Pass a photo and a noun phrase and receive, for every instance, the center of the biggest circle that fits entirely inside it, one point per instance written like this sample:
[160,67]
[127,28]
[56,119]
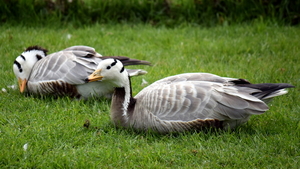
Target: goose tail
[268,90]
[128,61]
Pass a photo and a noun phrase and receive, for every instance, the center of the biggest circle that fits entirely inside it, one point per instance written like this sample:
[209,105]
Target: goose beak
[22,84]
[95,76]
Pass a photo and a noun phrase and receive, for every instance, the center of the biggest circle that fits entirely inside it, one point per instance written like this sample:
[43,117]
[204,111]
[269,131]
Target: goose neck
[121,101]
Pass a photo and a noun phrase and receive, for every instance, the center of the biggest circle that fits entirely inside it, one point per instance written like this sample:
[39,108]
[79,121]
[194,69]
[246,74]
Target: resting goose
[63,73]
[190,101]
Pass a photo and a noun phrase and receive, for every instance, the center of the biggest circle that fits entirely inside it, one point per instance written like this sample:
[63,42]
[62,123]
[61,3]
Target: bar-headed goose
[63,73]
[190,101]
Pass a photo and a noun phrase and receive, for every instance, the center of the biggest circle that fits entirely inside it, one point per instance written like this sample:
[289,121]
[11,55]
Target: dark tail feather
[128,61]
[268,90]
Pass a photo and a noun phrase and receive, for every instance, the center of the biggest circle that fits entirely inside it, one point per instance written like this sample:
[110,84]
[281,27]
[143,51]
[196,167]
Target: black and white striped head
[110,70]
[24,63]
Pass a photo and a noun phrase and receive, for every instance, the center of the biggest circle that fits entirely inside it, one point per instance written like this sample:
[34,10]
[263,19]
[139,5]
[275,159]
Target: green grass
[53,128]
[155,12]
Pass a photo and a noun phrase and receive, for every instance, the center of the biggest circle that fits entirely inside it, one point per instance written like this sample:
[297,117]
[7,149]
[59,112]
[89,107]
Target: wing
[188,99]
[194,77]
[83,51]
[185,77]
[70,66]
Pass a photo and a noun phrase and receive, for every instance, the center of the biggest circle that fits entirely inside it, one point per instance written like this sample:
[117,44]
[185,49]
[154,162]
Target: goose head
[110,70]
[24,63]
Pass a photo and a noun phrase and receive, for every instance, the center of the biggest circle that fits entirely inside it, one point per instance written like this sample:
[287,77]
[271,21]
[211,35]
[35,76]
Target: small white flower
[14,87]
[144,82]
[69,36]
[4,90]
[25,146]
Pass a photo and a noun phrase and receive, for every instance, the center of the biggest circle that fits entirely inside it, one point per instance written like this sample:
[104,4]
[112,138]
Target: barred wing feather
[70,68]
[199,96]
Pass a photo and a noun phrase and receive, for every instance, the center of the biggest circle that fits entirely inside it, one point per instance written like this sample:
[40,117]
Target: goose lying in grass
[63,73]
[190,101]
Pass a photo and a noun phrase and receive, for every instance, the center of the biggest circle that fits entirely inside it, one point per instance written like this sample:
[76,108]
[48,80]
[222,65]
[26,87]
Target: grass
[156,12]
[53,129]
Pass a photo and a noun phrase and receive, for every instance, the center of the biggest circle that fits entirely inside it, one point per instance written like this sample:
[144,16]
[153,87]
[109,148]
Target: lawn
[48,133]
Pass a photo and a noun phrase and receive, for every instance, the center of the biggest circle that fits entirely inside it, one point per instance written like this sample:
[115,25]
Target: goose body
[63,73]
[189,101]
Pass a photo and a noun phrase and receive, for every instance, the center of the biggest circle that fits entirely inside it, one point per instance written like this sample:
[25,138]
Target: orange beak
[95,76]
[22,84]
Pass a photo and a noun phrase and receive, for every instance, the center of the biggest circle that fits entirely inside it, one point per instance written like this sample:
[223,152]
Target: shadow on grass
[240,132]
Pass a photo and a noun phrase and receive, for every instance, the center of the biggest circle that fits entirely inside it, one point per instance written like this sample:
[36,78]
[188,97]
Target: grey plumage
[64,72]
[190,101]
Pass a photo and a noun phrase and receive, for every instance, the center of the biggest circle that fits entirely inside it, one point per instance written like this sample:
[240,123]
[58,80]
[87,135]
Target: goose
[63,73]
[183,102]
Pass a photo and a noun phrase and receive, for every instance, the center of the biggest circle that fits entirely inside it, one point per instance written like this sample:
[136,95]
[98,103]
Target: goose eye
[108,67]
[39,57]
[19,66]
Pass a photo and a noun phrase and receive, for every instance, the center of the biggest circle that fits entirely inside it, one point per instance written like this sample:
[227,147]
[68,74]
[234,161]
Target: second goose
[63,73]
